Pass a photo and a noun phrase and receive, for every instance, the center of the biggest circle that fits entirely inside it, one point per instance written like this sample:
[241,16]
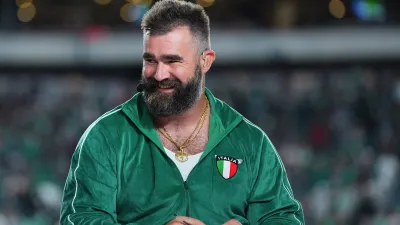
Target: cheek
[182,73]
[149,70]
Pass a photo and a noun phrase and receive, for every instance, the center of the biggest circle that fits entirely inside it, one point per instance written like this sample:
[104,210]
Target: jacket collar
[223,119]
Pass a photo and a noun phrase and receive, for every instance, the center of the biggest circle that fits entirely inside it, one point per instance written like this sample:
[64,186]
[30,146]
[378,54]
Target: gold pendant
[181,156]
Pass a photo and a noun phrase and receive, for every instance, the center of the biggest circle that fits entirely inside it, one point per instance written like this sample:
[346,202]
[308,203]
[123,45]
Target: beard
[182,98]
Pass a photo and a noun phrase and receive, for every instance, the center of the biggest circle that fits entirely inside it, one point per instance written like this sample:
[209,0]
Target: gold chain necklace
[181,155]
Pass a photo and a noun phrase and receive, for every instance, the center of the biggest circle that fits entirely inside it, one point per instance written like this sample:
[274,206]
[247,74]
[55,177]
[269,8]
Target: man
[174,154]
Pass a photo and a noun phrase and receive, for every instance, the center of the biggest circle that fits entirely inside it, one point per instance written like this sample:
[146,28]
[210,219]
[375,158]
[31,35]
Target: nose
[161,72]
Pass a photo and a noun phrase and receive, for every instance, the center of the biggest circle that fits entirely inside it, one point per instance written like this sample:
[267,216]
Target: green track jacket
[120,174]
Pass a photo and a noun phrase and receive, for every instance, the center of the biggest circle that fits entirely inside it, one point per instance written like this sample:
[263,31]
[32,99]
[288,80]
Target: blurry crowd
[232,14]
[336,130]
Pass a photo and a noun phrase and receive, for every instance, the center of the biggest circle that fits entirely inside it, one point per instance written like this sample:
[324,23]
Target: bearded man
[175,154]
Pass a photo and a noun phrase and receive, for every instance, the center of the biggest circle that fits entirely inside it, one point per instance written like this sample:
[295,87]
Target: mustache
[151,83]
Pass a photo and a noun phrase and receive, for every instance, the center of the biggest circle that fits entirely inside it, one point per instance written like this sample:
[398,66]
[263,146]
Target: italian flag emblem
[227,166]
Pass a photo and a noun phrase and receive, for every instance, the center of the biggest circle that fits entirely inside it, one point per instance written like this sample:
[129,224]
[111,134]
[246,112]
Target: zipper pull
[185,185]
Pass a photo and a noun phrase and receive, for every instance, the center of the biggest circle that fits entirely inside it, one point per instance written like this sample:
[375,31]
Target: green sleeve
[91,186]
[272,201]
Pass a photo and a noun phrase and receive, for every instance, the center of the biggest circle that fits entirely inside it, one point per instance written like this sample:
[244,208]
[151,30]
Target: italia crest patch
[227,166]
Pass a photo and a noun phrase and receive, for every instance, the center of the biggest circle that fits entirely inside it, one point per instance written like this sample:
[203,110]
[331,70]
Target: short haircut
[166,15]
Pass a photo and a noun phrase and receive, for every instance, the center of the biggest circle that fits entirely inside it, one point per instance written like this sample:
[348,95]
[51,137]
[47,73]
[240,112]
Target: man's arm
[272,201]
[91,186]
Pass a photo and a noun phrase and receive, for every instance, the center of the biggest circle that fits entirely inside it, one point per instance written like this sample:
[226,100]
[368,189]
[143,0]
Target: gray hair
[166,15]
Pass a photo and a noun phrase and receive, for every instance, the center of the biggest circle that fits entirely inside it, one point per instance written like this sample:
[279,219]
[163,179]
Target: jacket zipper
[185,185]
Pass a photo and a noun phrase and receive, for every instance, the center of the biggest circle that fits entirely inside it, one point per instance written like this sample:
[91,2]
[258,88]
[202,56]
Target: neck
[188,118]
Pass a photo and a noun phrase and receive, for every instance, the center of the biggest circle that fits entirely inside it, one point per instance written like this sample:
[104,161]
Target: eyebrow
[168,57]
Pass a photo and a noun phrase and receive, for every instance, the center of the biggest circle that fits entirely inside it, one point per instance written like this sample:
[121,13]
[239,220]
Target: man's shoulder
[110,121]
[104,122]
[250,132]
[245,126]
[251,127]
[116,117]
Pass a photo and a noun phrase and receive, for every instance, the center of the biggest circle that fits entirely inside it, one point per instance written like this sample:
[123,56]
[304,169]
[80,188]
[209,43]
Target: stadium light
[337,8]
[140,2]
[134,1]
[23,3]
[125,12]
[26,12]
[205,3]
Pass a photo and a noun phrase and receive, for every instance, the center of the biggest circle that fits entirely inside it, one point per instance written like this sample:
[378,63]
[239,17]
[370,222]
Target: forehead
[178,41]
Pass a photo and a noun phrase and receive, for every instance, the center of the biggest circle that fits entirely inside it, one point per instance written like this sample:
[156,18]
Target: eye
[172,61]
[149,60]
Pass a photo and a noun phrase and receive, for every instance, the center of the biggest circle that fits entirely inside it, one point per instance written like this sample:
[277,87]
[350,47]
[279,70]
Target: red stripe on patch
[232,169]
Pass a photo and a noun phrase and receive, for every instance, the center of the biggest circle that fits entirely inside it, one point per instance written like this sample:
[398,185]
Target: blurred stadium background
[321,77]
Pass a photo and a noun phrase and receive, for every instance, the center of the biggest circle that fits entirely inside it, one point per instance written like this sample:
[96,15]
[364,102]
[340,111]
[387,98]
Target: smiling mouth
[166,89]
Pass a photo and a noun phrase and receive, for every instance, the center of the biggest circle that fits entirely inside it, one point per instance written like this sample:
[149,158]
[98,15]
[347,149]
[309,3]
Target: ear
[207,59]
